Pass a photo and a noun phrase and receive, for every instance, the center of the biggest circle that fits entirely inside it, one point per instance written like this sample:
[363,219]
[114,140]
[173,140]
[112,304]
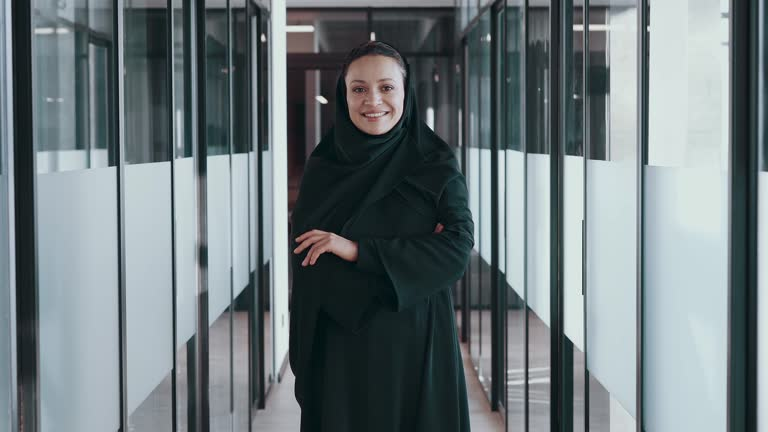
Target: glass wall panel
[474,187]
[5,245]
[514,220]
[148,220]
[483,58]
[686,217]
[73,45]
[73,92]
[572,100]
[219,214]
[185,207]
[241,229]
[538,216]
[612,215]
[254,182]
[762,228]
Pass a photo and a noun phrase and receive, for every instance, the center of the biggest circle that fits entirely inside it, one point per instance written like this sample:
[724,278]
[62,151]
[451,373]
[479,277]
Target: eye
[388,88]
[358,90]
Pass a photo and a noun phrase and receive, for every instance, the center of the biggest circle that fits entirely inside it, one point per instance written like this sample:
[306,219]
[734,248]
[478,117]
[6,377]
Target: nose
[374,98]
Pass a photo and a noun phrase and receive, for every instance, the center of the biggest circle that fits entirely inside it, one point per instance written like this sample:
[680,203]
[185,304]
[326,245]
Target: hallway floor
[282,412]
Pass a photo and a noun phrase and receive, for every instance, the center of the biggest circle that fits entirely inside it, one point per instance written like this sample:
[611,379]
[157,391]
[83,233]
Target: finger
[307,234]
[309,241]
[318,250]
[308,259]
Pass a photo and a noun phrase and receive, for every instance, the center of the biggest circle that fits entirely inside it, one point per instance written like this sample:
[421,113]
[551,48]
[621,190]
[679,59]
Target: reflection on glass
[612,215]
[762,230]
[219,176]
[473,184]
[514,265]
[5,273]
[73,46]
[483,58]
[538,210]
[686,209]
[573,215]
[146,94]
[72,91]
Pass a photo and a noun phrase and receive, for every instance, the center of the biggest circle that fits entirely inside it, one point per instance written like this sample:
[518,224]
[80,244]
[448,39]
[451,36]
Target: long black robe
[373,344]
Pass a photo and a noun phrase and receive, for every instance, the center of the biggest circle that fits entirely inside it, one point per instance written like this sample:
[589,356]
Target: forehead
[373,68]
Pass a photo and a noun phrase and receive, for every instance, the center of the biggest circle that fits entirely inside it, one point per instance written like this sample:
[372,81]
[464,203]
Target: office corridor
[282,412]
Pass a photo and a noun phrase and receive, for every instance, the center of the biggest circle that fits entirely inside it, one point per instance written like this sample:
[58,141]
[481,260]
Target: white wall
[573,215]
[186,250]
[515,214]
[219,256]
[279,183]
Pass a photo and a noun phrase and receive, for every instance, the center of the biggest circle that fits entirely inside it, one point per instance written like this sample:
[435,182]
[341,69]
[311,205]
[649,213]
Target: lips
[375,115]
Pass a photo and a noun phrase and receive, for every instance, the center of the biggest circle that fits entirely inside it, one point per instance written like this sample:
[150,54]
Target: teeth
[374,115]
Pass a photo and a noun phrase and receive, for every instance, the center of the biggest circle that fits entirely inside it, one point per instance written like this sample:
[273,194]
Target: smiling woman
[382,231]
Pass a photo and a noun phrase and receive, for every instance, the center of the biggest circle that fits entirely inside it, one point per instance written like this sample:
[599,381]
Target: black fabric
[373,344]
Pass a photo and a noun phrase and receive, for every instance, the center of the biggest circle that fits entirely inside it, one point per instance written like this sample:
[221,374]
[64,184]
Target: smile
[375,115]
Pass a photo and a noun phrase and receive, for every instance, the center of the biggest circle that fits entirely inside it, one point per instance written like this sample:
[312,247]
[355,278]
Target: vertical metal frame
[742,197]
[586,138]
[498,381]
[119,136]
[25,223]
[200,150]
[171,92]
[466,298]
[556,215]
[230,150]
[643,36]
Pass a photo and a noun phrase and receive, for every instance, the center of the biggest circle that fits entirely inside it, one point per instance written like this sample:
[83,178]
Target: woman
[382,231]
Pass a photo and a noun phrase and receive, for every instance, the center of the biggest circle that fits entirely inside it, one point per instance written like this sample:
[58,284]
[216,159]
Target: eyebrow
[365,82]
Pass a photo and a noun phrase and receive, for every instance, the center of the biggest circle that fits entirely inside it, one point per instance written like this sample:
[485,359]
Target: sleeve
[347,295]
[420,266]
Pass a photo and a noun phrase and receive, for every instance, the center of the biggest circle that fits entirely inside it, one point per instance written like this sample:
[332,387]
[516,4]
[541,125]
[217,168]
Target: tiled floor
[282,412]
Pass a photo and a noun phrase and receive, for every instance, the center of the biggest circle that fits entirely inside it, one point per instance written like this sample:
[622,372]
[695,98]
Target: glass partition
[572,100]
[220,277]
[611,222]
[73,46]
[147,219]
[686,217]
[537,208]
[513,245]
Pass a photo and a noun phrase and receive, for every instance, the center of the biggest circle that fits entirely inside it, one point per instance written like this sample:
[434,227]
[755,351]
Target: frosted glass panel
[485,205]
[77,253]
[148,277]
[186,250]
[762,308]
[686,302]
[266,189]
[538,235]
[573,214]
[515,243]
[473,185]
[612,277]
[240,221]
[219,290]
[253,203]
[5,295]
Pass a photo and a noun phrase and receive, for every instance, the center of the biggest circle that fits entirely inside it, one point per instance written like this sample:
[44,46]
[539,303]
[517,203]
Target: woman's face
[375,93]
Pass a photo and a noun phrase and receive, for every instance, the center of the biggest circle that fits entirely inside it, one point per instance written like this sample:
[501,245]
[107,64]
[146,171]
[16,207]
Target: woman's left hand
[322,242]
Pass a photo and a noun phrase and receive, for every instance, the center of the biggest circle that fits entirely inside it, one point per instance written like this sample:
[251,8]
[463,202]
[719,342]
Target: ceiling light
[300,28]
[321,99]
[373,36]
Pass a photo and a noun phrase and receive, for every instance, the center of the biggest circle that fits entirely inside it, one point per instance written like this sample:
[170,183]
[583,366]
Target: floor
[282,412]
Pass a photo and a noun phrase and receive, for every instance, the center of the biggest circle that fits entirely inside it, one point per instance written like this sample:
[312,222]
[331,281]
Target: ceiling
[370,3]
